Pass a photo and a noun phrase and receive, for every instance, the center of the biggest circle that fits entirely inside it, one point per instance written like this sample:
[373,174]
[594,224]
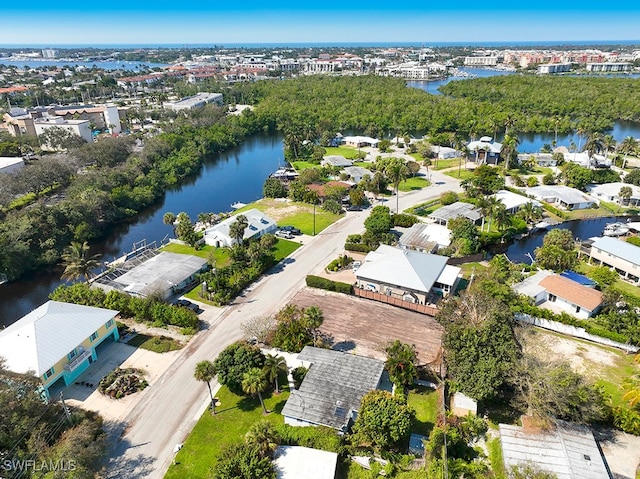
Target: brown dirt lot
[365,327]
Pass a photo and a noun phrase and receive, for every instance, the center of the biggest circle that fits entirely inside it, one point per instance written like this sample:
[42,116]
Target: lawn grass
[588,213]
[363,164]
[424,402]
[414,183]
[303,165]
[220,255]
[424,209]
[538,170]
[212,434]
[469,268]
[284,248]
[444,164]
[464,174]
[157,344]
[348,152]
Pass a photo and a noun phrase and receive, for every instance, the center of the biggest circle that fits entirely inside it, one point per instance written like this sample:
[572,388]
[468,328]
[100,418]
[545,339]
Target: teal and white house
[57,342]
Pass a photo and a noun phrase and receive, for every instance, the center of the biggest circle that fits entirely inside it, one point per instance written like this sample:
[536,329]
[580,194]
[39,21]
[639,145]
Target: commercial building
[196,101]
[76,127]
[551,68]
[488,61]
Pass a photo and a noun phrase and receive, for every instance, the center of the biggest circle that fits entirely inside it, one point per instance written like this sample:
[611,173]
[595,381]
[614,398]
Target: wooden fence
[383,298]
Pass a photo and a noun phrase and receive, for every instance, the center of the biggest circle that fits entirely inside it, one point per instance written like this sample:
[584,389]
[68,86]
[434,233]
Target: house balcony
[77,361]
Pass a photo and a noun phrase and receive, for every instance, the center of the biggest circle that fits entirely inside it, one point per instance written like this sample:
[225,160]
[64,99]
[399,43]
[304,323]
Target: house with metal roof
[459,208]
[10,164]
[408,275]
[426,238]
[620,255]
[561,294]
[336,160]
[297,462]
[333,388]
[360,141]
[568,450]
[57,342]
[562,196]
[512,201]
[258,224]
[611,192]
[356,173]
[485,150]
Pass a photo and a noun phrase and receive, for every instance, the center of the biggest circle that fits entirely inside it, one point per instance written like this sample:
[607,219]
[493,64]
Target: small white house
[356,173]
[560,195]
[611,192]
[258,225]
[512,201]
[336,160]
[445,152]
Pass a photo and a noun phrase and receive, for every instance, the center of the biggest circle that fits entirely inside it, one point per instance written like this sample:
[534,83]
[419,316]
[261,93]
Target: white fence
[574,331]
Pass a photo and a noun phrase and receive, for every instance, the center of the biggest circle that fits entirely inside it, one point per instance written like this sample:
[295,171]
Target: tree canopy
[234,361]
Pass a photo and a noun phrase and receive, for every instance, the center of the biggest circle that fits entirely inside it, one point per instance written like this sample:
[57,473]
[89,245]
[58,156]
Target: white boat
[615,229]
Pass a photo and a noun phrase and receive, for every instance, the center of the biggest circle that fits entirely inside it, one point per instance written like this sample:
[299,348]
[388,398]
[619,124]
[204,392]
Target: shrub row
[626,420]
[324,283]
[403,220]
[359,247]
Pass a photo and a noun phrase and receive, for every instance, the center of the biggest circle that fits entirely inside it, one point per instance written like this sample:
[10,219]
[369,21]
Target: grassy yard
[414,183]
[464,174]
[444,164]
[424,209]
[220,255]
[588,213]
[469,268]
[157,344]
[363,164]
[303,165]
[424,402]
[538,170]
[348,152]
[212,434]
[284,248]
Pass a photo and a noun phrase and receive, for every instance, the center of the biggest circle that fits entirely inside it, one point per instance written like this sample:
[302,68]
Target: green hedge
[359,247]
[403,220]
[555,211]
[626,420]
[324,283]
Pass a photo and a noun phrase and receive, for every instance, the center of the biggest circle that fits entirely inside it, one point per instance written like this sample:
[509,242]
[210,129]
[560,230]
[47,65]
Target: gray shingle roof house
[569,451]
[331,392]
[335,160]
[459,208]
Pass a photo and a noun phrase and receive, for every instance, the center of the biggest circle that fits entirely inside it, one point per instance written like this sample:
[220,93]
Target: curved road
[143,446]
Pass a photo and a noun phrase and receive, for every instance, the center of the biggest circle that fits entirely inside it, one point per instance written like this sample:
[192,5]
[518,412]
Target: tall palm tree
[509,145]
[77,262]
[401,363]
[502,217]
[493,204]
[170,219]
[397,172]
[236,230]
[593,145]
[461,146]
[530,213]
[608,143]
[313,319]
[254,382]
[273,366]
[628,147]
[205,371]
[625,194]
[264,436]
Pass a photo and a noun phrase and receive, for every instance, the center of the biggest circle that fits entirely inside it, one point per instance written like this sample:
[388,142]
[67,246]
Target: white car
[356,264]
[284,234]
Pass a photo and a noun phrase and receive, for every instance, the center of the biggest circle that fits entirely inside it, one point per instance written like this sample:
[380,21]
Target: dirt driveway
[365,326]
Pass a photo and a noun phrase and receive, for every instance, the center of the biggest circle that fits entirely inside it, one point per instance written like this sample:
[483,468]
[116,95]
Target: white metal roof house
[360,141]
[356,173]
[563,196]
[620,255]
[512,201]
[297,462]
[426,238]
[445,152]
[258,225]
[569,451]
[332,389]
[409,275]
[485,150]
[57,342]
[459,208]
[336,160]
[611,192]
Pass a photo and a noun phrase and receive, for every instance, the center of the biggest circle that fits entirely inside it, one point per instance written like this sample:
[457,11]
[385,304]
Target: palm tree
[509,145]
[313,319]
[608,143]
[493,204]
[397,172]
[593,145]
[254,382]
[236,230]
[401,363]
[205,371]
[501,217]
[629,146]
[273,366]
[77,263]
[461,146]
[427,163]
[625,194]
[530,213]
[170,219]
[264,436]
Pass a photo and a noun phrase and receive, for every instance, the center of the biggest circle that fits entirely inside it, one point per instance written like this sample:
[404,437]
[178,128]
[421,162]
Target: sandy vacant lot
[365,327]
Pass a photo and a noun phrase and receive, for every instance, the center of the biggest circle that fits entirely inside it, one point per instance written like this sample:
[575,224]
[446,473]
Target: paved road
[144,445]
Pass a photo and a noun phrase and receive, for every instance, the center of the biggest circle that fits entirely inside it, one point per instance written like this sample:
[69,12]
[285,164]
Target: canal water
[236,175]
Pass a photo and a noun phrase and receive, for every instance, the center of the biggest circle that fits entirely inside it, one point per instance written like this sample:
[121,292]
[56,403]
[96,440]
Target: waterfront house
[426,238]
[154,273]
[408,275]
[444,152]
[298,462]
[336,161]
[512,201]
[442,215]
[333,388]
[360,141]
[57,342]
[611,192]
[485,150]
[258,224]
[620,255]
[562,196]
[541,159]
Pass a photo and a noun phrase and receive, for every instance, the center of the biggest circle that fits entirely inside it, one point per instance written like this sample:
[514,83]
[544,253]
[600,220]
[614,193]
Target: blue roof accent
[578,278]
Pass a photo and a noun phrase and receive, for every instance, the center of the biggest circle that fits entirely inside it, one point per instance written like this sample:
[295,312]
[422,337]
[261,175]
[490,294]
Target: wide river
[238,175]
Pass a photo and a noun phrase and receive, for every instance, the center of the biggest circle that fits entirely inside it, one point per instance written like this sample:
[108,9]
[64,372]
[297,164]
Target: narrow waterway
[236,175]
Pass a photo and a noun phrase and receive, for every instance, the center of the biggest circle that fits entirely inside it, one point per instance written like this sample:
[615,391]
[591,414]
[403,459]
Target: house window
[109,324]
[577,309]
[93,337]
[49,373]
[552,297]
[72,354]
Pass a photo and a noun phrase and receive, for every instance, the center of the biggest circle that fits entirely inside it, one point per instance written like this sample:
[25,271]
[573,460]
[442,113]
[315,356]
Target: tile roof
[37,341]
[577,294]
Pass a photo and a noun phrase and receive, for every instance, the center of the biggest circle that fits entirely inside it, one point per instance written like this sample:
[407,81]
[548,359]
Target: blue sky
[289,21]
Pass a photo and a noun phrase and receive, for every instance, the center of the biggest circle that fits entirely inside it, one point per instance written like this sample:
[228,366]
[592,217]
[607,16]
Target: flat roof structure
[421,235]
[569,451]
[297,462]
[159,273]
[531,286]
[336,160]
[618,248]
[196,101]
[9,164]
[333,388]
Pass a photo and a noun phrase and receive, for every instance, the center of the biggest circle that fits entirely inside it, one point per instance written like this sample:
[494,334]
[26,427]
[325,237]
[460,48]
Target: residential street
[166,414]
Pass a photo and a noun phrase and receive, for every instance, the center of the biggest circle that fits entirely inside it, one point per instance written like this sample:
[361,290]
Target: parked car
[291,229]
[356,264]
[354,208]
[187,304]
[284,234]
